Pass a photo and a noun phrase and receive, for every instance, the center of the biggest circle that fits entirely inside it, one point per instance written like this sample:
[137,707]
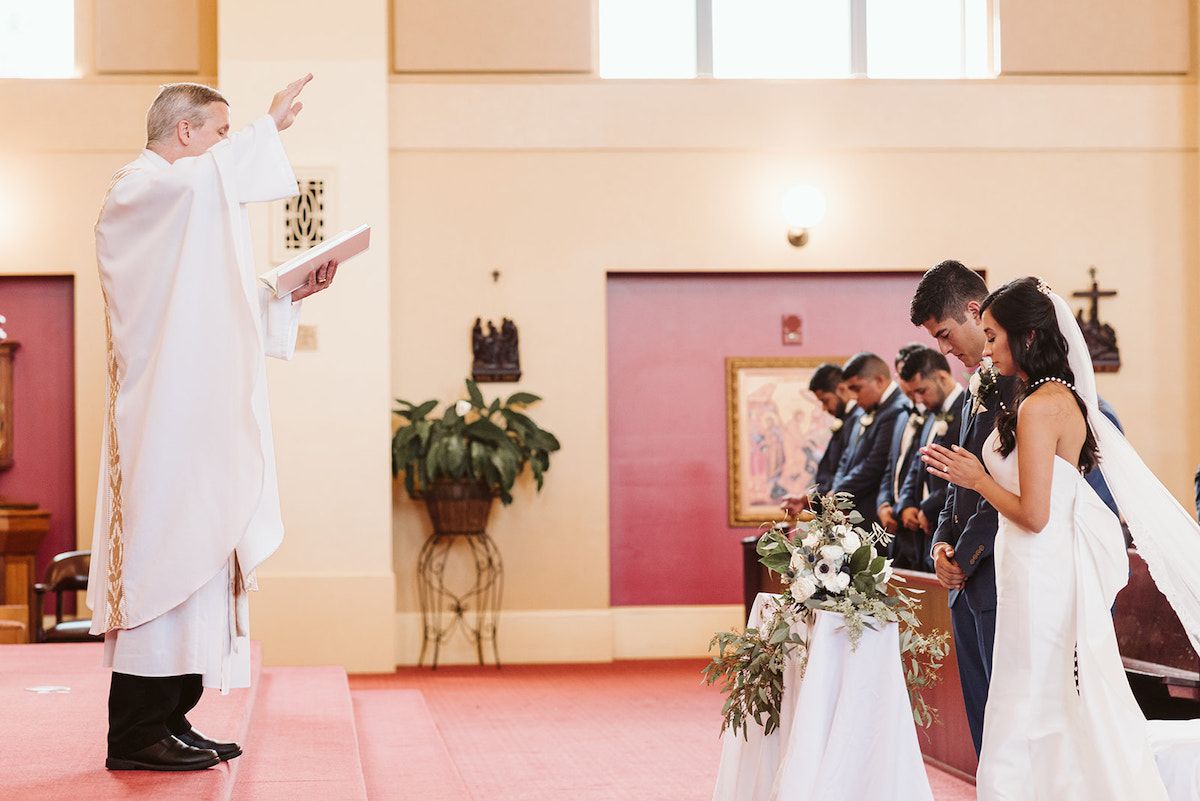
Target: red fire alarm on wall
[791,329]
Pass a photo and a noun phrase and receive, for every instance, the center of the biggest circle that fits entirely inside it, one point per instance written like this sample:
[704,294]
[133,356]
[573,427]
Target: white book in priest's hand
[291,275]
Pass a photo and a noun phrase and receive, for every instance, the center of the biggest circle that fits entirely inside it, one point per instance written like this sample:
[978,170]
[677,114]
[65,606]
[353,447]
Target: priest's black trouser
[143,710]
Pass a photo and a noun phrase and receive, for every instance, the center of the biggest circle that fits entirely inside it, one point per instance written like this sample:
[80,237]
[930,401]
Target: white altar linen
[1174,744]
[846,729]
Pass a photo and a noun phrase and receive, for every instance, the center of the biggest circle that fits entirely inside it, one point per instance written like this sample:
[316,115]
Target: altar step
[306,737]
[312,738]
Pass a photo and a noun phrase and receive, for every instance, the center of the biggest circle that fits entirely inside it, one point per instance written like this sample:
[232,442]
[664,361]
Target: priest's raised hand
[284,107]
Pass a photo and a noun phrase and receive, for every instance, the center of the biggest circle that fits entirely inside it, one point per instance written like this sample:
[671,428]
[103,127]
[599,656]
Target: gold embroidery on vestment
[118,613]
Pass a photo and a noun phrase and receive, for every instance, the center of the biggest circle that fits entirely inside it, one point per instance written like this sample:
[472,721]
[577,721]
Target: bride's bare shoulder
[1049,401]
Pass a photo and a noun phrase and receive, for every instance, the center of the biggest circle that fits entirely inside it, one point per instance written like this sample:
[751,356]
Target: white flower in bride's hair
[462,407]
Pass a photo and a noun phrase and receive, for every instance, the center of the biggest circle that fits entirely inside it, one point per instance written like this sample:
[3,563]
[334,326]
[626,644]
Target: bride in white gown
[1061,722]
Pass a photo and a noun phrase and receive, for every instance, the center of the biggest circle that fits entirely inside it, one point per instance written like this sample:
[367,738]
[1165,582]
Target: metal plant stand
[476,610]
[459,511]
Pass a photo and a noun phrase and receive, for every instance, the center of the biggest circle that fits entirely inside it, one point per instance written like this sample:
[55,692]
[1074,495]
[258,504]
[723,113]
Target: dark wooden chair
[1162,666]
[67,572]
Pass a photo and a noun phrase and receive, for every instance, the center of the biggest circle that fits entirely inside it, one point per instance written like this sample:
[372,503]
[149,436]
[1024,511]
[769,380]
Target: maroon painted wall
[668,336]
[41,315]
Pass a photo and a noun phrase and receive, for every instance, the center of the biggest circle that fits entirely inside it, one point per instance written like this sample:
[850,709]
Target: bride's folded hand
[956,465]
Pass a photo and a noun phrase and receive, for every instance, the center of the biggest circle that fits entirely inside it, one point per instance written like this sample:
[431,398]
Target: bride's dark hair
[1021,309]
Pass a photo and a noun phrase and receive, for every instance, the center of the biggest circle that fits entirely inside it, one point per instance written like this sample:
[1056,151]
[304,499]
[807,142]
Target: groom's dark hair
[945,291]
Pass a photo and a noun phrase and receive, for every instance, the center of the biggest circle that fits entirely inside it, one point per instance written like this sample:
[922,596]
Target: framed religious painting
[776,433]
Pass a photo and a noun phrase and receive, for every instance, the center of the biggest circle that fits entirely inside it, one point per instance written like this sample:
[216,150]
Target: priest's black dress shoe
[167,754]
[195,739]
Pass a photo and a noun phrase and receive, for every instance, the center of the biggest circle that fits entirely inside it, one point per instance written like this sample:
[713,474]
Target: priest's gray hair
[179,101]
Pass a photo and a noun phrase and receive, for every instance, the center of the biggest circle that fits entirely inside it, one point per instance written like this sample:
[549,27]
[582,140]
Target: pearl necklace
[1041,381]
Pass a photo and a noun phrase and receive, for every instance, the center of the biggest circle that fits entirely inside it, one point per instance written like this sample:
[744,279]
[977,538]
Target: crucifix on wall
[1100,337]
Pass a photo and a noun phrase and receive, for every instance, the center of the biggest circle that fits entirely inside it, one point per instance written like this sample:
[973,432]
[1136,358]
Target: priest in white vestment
[188,504]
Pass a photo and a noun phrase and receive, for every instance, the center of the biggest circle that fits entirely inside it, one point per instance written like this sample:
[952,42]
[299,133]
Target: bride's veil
[1167,536]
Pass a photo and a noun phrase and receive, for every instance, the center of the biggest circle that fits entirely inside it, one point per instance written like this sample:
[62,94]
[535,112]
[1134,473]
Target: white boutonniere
[836,425]
[981,383]
[866,419]
[917,419]
[941,423]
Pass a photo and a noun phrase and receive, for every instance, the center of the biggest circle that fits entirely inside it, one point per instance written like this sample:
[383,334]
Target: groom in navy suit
[946,304]
[865,460]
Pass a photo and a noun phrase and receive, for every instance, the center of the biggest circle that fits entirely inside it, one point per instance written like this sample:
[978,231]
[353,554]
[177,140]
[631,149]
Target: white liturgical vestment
[188,501]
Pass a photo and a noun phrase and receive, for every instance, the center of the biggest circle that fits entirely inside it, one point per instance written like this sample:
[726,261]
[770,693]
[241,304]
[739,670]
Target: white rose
[803,588]
[836,582]
[835,426]
[798,563]
[811,539]
[883,576]
[940,428]
[834,553]
[973,383]
[851,541]
[462,407]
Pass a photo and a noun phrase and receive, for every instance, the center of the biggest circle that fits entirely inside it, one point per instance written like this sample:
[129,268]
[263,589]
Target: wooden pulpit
[23,526]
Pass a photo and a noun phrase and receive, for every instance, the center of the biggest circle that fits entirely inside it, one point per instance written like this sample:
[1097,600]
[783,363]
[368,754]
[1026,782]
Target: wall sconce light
[803,207]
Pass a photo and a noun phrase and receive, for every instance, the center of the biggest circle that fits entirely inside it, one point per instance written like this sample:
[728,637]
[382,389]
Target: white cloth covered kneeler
[846,728]
[1174,743]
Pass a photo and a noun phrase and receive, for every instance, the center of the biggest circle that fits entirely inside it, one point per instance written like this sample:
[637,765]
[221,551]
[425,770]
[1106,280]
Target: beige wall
[557,180]
[1095,36]
[558,185]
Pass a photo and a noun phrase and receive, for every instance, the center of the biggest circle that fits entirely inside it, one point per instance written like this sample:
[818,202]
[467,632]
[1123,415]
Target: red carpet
[628,730]
[403,756]
[54,743]
[302,743]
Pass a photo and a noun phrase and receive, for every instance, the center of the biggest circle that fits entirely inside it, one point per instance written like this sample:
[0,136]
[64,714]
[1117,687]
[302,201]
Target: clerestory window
[37,39]
[796,39]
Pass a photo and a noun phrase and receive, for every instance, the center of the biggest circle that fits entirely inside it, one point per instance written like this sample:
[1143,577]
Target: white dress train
[1061,722]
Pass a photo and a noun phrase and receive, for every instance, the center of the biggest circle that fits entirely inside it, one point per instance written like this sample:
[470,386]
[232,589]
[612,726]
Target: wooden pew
[1162,666]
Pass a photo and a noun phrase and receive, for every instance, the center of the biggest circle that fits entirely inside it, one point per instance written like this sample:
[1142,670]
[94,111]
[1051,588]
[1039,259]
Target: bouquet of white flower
[826,563]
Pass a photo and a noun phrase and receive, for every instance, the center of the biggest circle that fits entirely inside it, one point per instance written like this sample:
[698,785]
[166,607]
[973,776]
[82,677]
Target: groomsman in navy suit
[862,466]
[829,387]
[923,495]
[901,455]
[946,304]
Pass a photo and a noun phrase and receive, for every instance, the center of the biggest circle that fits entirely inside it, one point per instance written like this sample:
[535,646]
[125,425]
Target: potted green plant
[473,452]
